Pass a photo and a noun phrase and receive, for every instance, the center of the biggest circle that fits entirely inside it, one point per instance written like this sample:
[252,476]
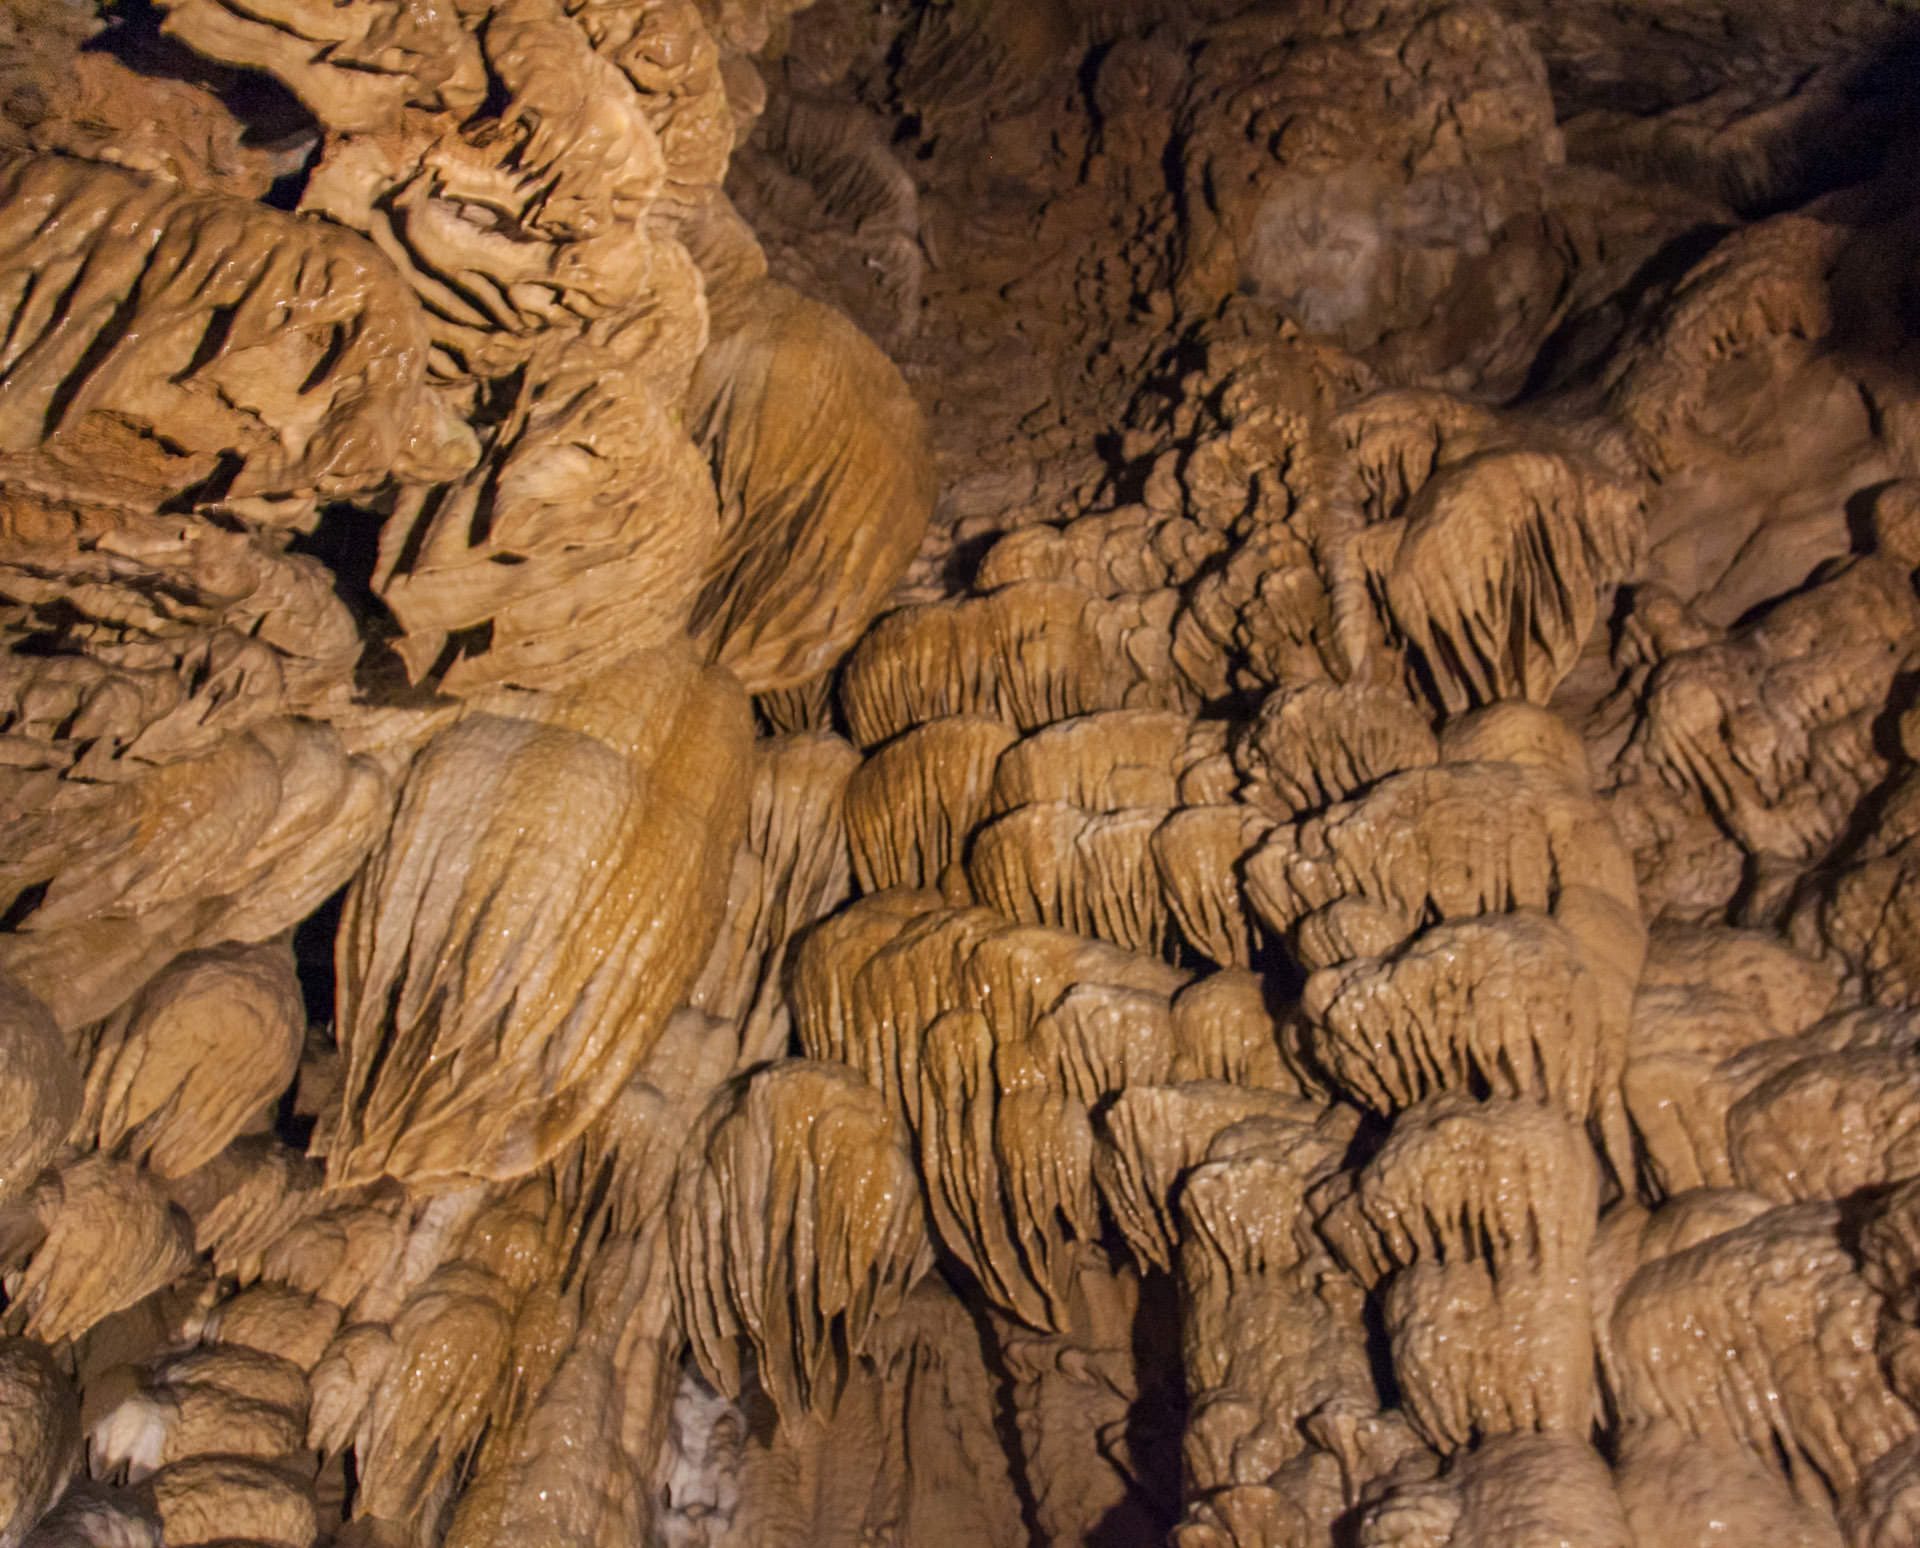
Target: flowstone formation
[1056,774]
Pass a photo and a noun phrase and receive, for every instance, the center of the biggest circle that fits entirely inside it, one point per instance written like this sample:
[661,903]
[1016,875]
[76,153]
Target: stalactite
[848,772]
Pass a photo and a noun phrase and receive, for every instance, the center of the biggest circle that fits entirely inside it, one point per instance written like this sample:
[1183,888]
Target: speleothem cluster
[1092,772]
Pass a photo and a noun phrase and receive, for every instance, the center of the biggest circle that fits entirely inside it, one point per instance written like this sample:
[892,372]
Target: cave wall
[863,773]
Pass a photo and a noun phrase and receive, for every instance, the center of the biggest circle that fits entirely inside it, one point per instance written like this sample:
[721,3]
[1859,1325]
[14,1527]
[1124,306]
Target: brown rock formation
[922,771]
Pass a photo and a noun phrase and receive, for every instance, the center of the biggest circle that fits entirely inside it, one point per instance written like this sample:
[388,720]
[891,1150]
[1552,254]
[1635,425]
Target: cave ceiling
[1091,772]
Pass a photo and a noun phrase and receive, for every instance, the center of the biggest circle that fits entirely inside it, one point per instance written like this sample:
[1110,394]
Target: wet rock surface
[859,773]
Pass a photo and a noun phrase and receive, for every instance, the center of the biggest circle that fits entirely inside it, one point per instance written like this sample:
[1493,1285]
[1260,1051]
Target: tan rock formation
[593,808]
[1503,1003]
[216,1498]
[1677,1489]
[204,323]
[1520,1489]
[1480,1216]
[41,1417]
[864,773]
[70,1283]
[43,1089]
[822,1241]
[1759,1338]
[821,464]
[211,1040]
[793,867]
[913,805]
[90,1515]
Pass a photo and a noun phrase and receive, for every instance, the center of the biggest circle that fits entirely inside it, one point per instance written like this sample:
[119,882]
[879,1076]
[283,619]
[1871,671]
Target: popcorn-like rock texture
[816,773]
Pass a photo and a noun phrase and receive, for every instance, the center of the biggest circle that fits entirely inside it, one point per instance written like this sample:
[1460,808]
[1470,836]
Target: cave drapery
[846,773]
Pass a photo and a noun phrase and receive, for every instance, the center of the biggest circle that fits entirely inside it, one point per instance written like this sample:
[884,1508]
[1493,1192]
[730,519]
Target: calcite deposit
[1068,774]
